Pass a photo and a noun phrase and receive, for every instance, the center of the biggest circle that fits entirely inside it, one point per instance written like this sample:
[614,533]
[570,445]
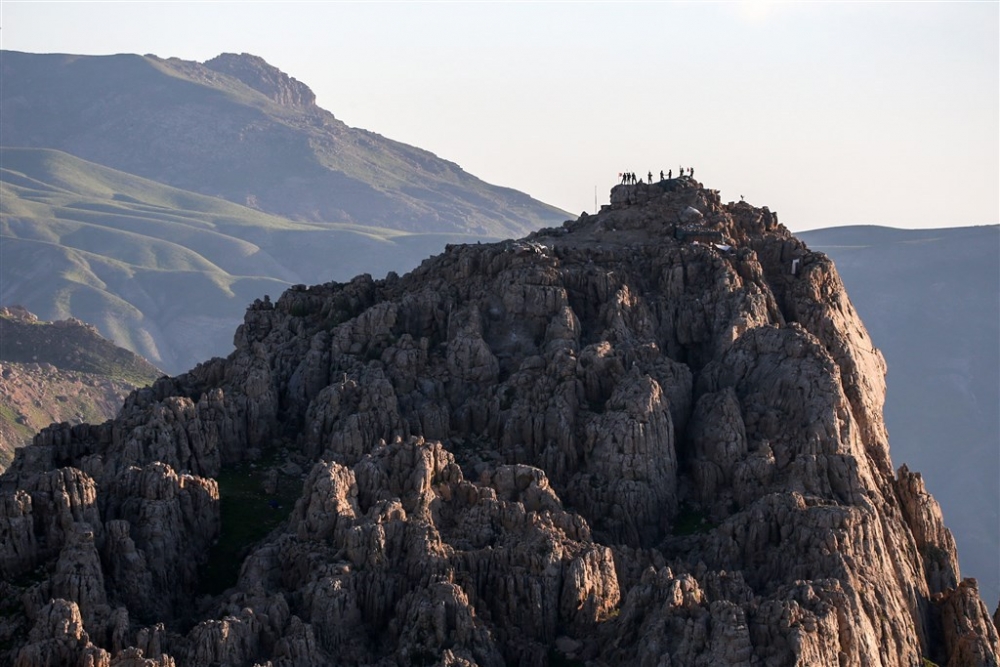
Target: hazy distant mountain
[59,372]
[157,198]
[237,128]
[602,445]
[931,301]
[165,272]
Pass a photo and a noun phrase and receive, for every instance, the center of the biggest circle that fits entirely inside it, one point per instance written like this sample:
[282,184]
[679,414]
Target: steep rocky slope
[54,372]
[931,300]
[651,437]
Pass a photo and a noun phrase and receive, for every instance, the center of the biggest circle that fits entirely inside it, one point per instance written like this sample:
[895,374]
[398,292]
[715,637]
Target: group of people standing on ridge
[628,177]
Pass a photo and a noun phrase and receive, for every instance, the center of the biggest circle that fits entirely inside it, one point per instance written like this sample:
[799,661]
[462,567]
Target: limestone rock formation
[648,437]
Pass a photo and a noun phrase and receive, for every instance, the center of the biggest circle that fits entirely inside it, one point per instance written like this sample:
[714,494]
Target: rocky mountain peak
[650,436]
[19,313]
[681,208]
[265,78]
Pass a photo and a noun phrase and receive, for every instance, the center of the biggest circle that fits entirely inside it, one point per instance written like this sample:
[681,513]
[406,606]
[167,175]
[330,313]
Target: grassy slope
[203,130]
[165,272]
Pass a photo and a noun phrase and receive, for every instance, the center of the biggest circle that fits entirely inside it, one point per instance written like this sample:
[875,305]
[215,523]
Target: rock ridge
[255,72]
[652,436]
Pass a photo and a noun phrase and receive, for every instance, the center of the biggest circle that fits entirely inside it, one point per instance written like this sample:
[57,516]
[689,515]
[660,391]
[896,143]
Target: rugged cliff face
[653,436]
[238,128]
[929,299]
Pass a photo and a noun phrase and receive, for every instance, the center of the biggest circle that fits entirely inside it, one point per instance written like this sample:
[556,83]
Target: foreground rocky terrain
[54,372]
[653,436]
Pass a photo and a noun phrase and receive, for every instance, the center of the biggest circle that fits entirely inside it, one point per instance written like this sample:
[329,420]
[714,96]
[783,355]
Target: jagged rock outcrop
[970,636]
[58,638]
[649,437]
[255,72]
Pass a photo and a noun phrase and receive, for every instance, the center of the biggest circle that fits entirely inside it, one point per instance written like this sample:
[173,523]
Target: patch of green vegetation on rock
[8,415]
[691,521]
[248,515]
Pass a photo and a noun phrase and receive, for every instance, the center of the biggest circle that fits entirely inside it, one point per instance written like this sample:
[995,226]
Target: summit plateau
[652,436]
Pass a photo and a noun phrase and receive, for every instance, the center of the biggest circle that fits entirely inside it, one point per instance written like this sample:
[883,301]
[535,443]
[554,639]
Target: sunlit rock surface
[645,438]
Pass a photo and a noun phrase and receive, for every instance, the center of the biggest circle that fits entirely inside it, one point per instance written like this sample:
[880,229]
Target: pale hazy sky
[829,113]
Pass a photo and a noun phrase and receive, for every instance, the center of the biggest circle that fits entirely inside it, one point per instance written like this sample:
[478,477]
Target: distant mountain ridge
[128,181]
[60,371]
[255,72]
[238,128]
[162,271]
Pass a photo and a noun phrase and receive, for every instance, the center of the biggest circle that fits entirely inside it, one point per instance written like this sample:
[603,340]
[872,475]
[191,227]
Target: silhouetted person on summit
[661,174]
[650,177]
[634,179]
[692,172]
[670,174]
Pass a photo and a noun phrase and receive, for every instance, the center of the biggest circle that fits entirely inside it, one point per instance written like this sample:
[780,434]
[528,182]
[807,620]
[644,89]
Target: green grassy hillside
[187,190]
[238,129]
[164,272]
[59,372]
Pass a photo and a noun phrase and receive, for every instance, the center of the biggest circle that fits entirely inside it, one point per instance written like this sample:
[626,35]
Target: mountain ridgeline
[59,372]
[652,436]
[239,129]
[128,179]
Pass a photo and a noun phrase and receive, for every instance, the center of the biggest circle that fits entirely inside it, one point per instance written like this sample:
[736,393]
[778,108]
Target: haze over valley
[931,300]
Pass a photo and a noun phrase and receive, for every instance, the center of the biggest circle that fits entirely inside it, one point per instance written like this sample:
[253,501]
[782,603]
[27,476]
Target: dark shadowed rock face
[601,444]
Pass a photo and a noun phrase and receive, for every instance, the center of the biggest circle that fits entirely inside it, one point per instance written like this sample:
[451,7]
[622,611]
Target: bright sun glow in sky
[829,113]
